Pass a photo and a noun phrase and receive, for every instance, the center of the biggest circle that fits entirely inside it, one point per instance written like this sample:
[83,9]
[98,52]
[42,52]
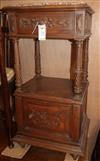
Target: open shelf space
[50,88]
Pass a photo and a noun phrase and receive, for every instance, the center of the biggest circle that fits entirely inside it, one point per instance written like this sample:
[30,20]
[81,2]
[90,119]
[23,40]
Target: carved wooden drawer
[54,24]
[60,23]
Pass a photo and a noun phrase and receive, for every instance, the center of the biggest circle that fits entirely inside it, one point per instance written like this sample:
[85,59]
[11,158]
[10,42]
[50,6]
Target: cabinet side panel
[75,122]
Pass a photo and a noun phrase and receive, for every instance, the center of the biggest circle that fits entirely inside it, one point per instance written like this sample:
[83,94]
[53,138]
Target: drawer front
[58,24]
[71,24]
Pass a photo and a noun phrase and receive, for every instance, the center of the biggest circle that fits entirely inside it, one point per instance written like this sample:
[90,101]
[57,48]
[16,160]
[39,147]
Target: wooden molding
[36,2]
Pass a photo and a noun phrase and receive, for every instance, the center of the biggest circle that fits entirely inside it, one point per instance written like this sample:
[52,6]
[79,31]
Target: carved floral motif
[44,119]
[49,21]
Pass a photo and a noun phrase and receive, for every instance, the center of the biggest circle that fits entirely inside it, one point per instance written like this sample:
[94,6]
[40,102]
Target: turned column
[85,60]
[17,63]
[73,60]
[37,58]
[78,67]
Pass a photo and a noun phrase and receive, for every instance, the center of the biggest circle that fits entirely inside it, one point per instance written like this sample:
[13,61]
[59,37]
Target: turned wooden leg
[78,68]
[85,60]
[37,58]
[18,73]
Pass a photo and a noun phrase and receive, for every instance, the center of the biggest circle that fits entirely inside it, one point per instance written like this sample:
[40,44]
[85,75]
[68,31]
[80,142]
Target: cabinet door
[43,119]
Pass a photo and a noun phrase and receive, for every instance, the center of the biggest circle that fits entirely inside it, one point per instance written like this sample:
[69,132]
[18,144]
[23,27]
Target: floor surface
[34,154]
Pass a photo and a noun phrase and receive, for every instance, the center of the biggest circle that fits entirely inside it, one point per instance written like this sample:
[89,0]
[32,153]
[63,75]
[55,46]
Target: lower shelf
[75,148]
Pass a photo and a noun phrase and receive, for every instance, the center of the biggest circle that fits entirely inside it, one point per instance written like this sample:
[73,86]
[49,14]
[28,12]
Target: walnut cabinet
[51,112]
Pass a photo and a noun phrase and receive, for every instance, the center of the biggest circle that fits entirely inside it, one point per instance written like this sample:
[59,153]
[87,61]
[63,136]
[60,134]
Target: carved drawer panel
[65,25]
[57,24]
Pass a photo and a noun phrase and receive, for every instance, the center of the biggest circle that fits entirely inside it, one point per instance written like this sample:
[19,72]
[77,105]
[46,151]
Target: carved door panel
[45,120]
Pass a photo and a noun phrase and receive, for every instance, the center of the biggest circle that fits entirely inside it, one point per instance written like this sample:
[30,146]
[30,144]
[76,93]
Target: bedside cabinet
[51,112]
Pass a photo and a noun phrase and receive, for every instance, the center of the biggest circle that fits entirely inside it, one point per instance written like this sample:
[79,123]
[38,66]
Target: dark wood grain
[49,88]
[37,58]
[78,67]
[63,22]
[85,60]
[4,87]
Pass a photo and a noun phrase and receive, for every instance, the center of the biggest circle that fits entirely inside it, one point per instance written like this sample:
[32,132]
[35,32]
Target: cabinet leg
[8,131]
[9,134]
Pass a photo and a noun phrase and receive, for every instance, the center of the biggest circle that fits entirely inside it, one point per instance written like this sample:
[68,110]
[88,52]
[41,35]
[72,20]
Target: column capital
[79,41]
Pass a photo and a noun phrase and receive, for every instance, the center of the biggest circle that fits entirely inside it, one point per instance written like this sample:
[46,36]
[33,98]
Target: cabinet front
[58,24]
[44,120]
